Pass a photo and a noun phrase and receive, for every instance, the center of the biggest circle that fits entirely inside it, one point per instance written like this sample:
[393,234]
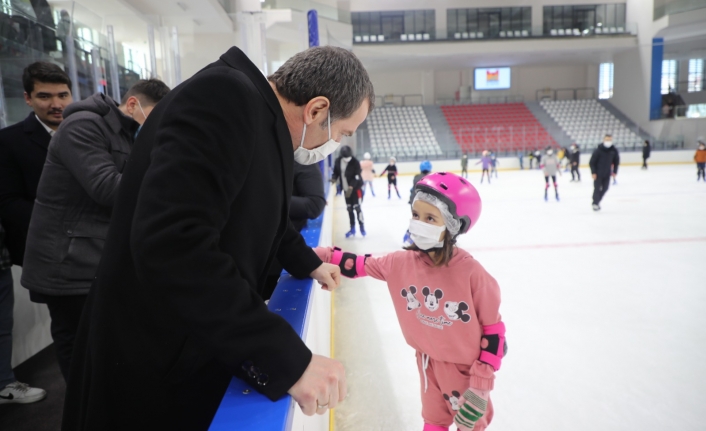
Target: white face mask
[347,159]
[425,235]
[305,156]
[607,144]
[550,152]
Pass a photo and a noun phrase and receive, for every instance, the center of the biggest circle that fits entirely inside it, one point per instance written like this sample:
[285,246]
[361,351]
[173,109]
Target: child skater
[494,164]
[551,166]
[700,159]
[446,303]
[368,173]
[487,162]
[391,170]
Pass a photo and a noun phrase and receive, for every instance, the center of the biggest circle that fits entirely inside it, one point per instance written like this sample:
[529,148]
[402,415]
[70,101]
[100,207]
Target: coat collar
[237,59]
[37,133]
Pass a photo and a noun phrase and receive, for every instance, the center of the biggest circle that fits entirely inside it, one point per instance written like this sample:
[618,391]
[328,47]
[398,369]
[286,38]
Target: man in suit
[201,213]
[23,150]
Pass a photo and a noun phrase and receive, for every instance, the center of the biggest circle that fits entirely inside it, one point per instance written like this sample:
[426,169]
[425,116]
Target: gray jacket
[75,197]
[551,165]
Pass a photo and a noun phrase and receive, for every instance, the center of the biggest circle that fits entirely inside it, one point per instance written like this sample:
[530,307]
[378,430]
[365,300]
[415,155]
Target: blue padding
[251,410]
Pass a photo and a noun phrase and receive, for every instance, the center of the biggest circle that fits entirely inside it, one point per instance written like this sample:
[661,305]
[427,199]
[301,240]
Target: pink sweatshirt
[366,167]
[442,310]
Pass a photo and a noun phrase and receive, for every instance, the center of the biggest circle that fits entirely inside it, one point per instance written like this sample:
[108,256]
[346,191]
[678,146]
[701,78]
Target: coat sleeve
[15,208]
[200,162]
[616,162]
[311,203]
[295,256]
[486,301]
[336,169]
[83,150]
[376,267]
[593,163]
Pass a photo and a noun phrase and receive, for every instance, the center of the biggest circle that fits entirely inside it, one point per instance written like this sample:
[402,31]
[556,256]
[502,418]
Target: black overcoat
[200,215]
[23,150]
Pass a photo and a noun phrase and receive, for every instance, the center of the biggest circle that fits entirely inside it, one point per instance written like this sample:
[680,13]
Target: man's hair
[42,71]
[608,135]
[328,71]
[149,91]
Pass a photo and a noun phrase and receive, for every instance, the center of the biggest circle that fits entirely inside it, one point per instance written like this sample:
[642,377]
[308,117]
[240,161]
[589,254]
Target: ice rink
[605,311]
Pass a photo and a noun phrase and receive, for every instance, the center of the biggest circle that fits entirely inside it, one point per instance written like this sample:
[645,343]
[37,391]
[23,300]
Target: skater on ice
[444,300]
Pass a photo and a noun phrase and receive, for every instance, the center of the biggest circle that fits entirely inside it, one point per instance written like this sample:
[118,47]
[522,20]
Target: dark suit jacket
[23,150]
[200,215]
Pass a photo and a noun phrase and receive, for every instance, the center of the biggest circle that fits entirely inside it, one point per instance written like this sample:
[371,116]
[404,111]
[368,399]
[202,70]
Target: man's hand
[321,387]
[594,177]
[328,276]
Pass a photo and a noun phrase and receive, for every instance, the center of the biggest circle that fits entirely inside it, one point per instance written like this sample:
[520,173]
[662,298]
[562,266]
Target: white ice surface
[605,312]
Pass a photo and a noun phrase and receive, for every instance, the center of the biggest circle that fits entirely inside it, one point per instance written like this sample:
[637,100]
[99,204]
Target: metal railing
[565,93]
[399,100]
[482,100]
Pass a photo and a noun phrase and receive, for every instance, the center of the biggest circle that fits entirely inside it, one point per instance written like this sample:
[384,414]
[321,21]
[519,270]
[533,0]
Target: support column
[656,82]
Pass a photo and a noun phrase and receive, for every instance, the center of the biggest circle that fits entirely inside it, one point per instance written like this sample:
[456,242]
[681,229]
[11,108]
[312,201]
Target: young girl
[551,166]
[700,159]
[487,162]
[446,303]
[368,173]
[391,170]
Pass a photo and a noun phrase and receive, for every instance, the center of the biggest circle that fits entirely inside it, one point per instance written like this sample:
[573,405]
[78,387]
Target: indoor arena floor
[605,311]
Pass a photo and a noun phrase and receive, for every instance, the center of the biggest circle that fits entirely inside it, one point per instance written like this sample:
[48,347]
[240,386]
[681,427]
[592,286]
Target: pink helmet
[457,193]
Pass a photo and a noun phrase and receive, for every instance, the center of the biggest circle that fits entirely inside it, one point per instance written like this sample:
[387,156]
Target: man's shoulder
[13,130]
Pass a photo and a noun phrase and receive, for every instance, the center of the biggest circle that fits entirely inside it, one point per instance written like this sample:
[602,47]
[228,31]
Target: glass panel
[548,19]
[669,76]
[409,22]
[610,16]
[472,25]
[375,23]
[696,74]
[430,26]
[600,15]
[620,15]
[605,81]
[462,26]
[568,17]
[527,19]
[451,22]
[418,21]
[506,19]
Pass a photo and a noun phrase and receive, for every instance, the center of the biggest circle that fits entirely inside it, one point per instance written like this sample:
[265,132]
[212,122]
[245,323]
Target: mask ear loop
[301,145]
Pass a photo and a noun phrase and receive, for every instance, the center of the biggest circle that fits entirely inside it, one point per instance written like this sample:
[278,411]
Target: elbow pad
[352,265]
[493,346]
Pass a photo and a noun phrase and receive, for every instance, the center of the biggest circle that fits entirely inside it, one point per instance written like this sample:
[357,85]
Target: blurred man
[23,150]
[604,165]
[574,160]
[74,203]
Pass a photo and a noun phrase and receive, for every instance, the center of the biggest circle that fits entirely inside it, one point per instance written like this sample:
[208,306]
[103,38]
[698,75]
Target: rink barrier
[243,408]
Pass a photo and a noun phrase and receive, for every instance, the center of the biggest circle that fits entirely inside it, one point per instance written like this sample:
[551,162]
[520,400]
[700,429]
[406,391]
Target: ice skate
[362,230]
[596,207]
[351,232]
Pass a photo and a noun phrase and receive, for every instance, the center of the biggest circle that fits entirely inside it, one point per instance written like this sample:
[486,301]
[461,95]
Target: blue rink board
[252,410]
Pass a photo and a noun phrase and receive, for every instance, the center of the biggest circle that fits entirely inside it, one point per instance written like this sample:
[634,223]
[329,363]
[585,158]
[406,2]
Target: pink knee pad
[493,345]
[357,266]
[429,427]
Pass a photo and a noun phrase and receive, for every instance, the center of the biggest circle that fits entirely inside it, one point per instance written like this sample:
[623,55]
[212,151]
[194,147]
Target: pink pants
[446,383]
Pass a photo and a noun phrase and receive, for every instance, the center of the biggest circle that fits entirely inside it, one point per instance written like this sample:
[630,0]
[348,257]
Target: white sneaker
[21,393]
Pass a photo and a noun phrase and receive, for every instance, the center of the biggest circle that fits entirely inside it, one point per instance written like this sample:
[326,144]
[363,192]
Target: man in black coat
[23,150]
[201,213]
[347,173]
[574,161]
[646,151]
[604,165]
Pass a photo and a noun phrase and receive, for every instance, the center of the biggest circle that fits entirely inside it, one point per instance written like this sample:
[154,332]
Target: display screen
[492,78]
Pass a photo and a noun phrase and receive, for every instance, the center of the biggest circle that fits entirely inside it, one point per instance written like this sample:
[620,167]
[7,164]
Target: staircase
[442,131]
[549,124]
